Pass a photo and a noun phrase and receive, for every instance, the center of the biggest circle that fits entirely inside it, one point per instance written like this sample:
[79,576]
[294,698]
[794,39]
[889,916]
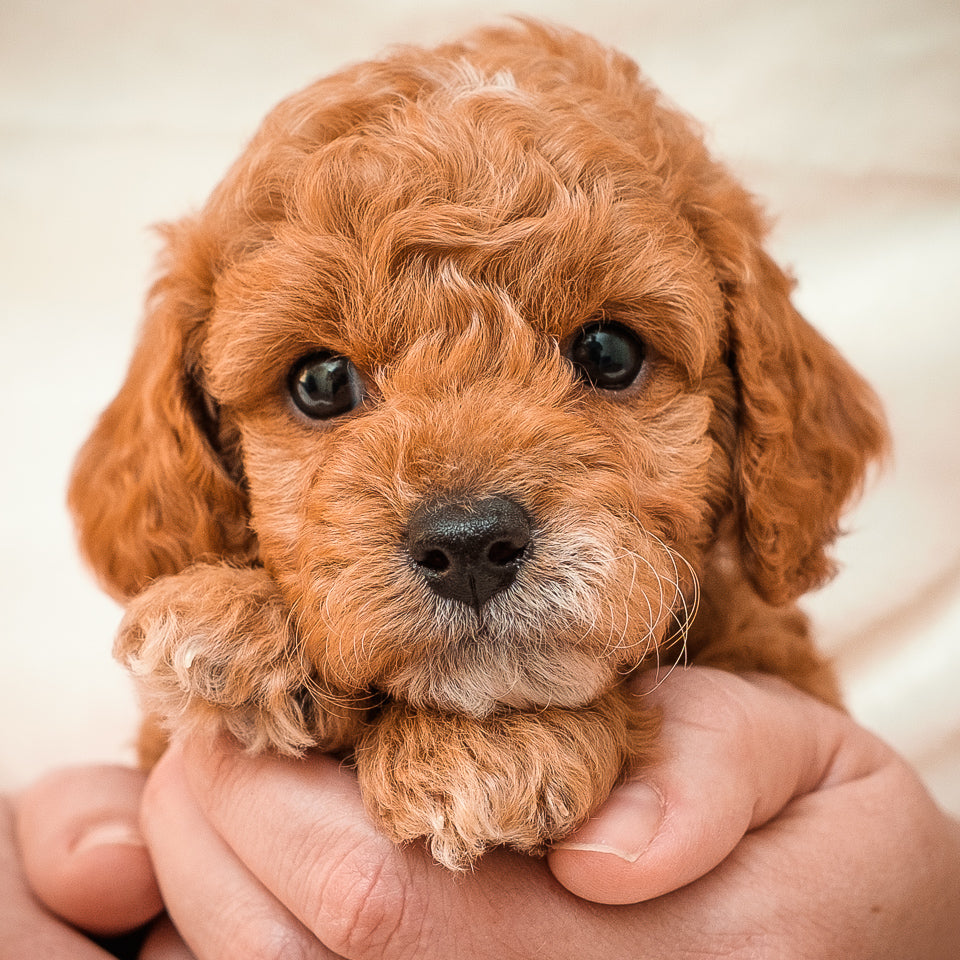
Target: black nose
[469,552]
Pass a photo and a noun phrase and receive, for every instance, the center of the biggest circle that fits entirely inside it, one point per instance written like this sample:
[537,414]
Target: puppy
[470,392]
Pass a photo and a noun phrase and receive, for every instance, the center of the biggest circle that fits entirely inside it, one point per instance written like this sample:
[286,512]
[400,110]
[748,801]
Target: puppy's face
[492,354]
[480,396]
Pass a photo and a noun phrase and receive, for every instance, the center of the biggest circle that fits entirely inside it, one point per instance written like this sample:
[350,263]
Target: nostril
[503,553]
[435,560]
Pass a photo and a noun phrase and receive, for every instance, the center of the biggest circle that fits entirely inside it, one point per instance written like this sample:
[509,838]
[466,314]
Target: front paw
[523,779]
[212,650]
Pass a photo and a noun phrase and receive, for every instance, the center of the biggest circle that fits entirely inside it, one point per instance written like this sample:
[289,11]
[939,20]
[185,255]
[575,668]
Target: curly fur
[447,219]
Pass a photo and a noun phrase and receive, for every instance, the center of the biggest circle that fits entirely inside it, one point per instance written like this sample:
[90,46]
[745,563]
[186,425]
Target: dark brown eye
[324,385]
[607,355]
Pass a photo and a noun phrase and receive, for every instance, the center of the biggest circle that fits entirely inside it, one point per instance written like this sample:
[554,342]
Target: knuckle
[368,907]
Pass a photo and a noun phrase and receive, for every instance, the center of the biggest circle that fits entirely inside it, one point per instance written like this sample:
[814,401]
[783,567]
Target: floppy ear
[809,426]
[151,492]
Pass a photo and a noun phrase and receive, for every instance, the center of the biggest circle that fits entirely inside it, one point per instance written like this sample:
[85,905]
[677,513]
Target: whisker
[680,609]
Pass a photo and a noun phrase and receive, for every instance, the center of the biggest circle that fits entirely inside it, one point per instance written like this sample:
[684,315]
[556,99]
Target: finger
[165,943]
[301,829]
[220,909]
[300,826]
[27,929]
[734,752]
[82,850]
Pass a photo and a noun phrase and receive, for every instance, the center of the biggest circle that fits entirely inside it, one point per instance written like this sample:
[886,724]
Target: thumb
[733,752]
[82,851]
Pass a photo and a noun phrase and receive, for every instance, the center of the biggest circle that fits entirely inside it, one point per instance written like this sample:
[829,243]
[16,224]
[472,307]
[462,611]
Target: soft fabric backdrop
[842,114]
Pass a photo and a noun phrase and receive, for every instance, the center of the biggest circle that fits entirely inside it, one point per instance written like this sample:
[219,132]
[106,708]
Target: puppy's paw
[213,650]
[523,779]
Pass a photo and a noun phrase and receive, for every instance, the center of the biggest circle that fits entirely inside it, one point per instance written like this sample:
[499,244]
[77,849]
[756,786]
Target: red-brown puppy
[470,391]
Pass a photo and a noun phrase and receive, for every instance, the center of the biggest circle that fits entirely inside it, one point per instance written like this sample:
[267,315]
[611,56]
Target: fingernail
[624,826]
[107,834]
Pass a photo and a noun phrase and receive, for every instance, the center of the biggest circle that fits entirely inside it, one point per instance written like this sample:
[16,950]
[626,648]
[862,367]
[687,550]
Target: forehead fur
[384,203]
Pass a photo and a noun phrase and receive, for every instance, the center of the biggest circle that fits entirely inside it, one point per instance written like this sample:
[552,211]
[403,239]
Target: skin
[72,855]
[771,826]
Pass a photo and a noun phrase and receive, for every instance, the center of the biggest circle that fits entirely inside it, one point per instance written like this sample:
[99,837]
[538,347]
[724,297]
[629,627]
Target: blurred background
[841,114]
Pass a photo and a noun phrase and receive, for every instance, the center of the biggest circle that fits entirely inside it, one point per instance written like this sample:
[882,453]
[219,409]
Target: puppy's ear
[808,428]
[808,424]
[151,492]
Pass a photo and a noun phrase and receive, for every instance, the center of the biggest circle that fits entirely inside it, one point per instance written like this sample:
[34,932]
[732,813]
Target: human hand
[772,826]
[72,859]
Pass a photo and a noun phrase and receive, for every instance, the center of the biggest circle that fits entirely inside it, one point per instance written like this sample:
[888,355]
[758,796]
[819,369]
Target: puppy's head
[478,353]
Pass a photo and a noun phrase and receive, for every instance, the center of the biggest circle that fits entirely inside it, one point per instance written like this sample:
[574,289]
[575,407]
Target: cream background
[843,114]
